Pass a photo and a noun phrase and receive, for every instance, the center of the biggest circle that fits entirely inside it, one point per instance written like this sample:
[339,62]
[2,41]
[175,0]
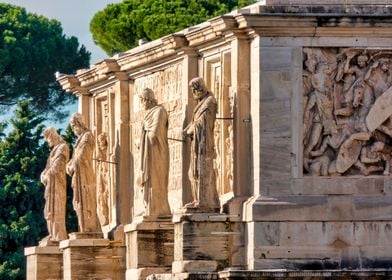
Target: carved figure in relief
[347,112]
[363,100]
[201,132]
[319,120]
[229,156]
[230,144]
[379,76]
[80,167]
[357,70]
[102,180]
[54,179]
[384,152]
[369,160]
[218,156]
[152,180]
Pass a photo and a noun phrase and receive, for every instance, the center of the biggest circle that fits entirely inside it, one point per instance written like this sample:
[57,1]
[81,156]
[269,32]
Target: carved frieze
[167,86]
[347,109]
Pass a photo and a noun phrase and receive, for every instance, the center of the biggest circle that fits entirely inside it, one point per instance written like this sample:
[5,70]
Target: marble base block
[44,262]
[92,258]
[201,242]
[149,248]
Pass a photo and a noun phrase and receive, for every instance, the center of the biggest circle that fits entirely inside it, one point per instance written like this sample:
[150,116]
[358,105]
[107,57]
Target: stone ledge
[42,250]
[200,217]
[86,243]
[149,225]
[320,208]
[306,274]
[185,276]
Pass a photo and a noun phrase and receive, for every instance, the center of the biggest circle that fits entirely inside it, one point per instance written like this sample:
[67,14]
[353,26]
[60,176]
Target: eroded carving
[80,167]
[201,133]
[152,181]
[347,103]
[102,179]
[54,179]
[167,87]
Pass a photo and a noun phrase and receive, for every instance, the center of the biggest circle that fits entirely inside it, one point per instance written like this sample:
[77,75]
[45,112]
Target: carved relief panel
[347,109]
[218,80]
[167,86]
[104,155]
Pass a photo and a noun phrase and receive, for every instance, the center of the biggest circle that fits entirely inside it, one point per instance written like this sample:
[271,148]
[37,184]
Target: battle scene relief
[347,111]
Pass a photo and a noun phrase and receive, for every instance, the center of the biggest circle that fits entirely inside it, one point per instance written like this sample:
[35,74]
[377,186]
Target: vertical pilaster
[240,72]
[124,191]
[84,104]
[189,71]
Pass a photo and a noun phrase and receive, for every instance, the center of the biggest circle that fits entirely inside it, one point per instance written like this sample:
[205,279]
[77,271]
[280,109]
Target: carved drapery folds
[105,159]
[219,80]
[102,179]
[167,87]
[347,109]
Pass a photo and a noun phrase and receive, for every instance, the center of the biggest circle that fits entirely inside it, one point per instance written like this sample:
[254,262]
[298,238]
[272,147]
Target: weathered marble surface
[80,167]
[150,246]
[93,259]
[103,180]
[194,234]
[55,181]
[44,263]
[201,132]
[346,102]
[151,192]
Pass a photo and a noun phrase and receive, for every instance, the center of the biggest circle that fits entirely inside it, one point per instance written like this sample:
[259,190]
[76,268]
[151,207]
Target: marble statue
[347,118]
[102,180]
[80,167]
[201,132]
[54,179]
[152,180]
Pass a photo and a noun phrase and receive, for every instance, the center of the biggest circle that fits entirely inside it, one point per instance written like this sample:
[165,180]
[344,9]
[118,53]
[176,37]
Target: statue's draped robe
[154,163]
[83,183]
[201,170]
[56,191]
[102,189]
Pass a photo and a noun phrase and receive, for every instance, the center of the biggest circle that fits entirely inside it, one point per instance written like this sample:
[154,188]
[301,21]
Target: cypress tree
[23,156]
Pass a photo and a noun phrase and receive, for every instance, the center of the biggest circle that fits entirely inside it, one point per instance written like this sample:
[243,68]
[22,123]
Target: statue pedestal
[86,256]
[201,242]
[149,247]
[44,262]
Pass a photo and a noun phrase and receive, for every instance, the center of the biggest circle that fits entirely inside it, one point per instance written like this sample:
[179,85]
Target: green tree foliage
[119,26]
[32,49]
[22,158]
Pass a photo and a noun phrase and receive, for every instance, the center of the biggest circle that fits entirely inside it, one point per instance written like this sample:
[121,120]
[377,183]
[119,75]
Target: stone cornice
[71,83]
[162,48]
[86,78]
[100,72]
[255,20]
[320,25]
[213,29]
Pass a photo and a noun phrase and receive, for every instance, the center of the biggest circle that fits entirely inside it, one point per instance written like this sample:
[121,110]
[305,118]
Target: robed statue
[152,181]
[201,132]
[55,181]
